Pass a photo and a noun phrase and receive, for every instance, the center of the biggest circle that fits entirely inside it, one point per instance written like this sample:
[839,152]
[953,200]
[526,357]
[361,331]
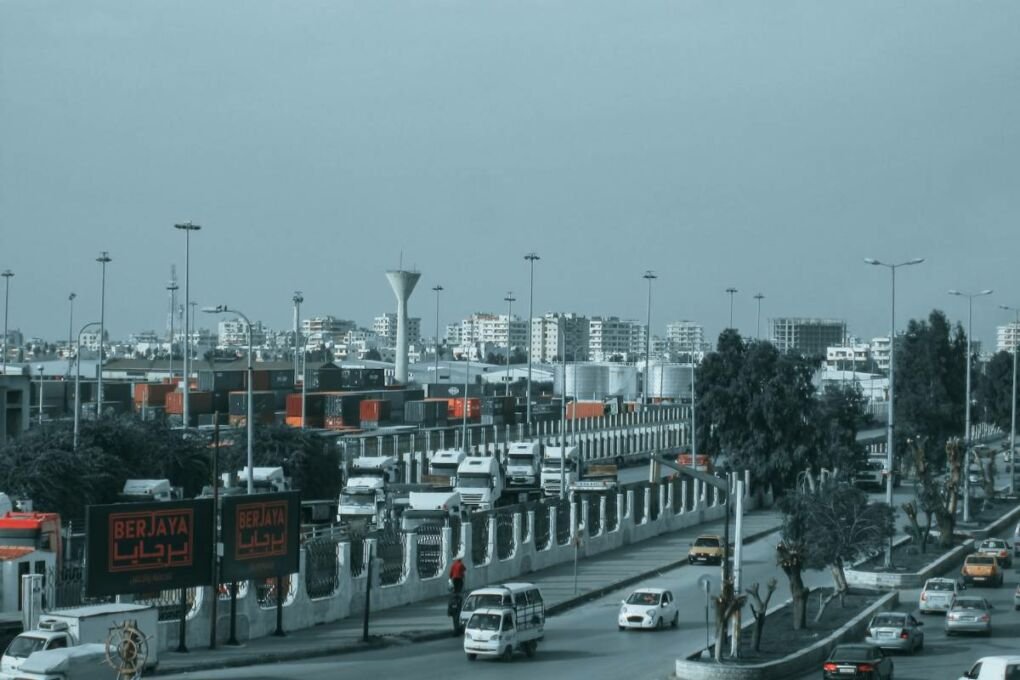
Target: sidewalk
[427,620]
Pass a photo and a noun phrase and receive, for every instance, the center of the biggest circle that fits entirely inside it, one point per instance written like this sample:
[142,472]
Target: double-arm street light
[223,309]
[531,258]
[757,324]
[509,299]
[103,259]
[892,386]
[649,276]
[77,383]
[966,426]
[1012,418]
[187,228]
[8,275]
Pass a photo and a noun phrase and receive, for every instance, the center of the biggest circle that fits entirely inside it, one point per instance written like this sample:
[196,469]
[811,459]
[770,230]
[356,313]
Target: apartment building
[557,332]
[385,326]
[810,337]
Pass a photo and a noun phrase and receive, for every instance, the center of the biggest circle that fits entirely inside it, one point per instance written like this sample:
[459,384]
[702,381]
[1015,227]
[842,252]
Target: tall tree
[994,388]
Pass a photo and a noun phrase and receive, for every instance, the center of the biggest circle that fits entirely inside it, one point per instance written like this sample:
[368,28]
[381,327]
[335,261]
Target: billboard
[145,547]
[260,535]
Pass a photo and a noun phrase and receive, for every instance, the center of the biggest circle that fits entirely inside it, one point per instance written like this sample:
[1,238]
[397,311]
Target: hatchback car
[648,608]
[994,668]
[937,595]
[706,550]
[999,549]
[969,615]
[897,631]
[1016,598]
[859,662]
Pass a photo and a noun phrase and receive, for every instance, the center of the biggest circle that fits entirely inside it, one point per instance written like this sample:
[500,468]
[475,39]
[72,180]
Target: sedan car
[999,549]
[937,595]
[859,662]
[648,608]
[969,615]
[994,668]
[983,569]
[1016,598]
[896,630]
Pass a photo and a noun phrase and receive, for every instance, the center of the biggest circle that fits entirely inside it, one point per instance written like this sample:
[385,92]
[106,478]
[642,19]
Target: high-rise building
[496,330]
[610,338]
[385,326]
[234,333]
[326,327]
[880,352]
[1007,337]
[810,337]
[557,332]
[685,336]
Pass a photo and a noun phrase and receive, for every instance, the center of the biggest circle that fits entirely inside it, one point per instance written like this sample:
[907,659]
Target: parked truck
[480,482]
[437,508]
[82,625]
[363,499]
[524,465]
[147,490]
[83,662]
[597,478]
[264,479]
[443,466]
[557,459]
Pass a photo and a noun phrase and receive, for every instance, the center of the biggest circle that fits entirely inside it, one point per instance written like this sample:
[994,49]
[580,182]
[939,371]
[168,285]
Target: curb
[384,641]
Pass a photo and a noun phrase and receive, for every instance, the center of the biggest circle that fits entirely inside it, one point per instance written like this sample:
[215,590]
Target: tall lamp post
[1012,419]
[467,377]
[966,427]
[531,258]
[649,276]
[731,290]
[103,259]
[223,309]
[757,323]
[298,299]
[437,289]
[172,288]
[892,386]
[509,299]
[7,274]
[77,383]
[70,330]
[304,382]
[41,368]
[187,228]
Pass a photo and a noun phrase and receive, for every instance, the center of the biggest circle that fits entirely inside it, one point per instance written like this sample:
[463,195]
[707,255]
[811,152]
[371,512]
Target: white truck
[84,662]
[443,466]
[501,620]
[363,499]
[146,490]
[558,458]
[437,508]
[480,482]
[264,479]
[73,627]
[524,464]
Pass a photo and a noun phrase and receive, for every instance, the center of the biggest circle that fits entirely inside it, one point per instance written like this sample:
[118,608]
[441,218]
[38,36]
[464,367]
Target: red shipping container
[375,410]
[152,394]
[585,409]
[455,408]
[198,402]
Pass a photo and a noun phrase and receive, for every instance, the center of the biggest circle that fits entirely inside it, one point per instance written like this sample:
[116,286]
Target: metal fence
[456,536]
[429,538]
[322,568]
[541,526]
[391,553]
[479,538]
[68,587]
[505,534]
[594,515]
[268,595]
[676,485]
[612,519]
[168,603]
[563,528]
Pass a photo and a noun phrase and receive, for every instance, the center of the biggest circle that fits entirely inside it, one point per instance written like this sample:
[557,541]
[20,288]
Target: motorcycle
[453,607]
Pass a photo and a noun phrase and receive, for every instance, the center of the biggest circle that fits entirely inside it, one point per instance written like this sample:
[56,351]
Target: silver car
[896,630]
[937,595]
[969,615]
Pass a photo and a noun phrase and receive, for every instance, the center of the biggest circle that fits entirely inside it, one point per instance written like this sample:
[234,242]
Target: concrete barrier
[791,665]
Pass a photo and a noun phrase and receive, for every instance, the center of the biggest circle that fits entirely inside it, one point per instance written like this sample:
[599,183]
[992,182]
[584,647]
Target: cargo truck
[524,464]
[363,499]
[558,458]
[443,466]
[480,482]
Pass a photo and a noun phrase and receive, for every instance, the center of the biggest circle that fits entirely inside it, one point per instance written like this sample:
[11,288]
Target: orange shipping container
[198,402]
[153,394]
[374,410]
[585,409]
[455,408]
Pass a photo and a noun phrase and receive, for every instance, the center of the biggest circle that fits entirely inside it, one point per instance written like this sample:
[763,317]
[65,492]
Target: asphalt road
[949,657]
[582,643]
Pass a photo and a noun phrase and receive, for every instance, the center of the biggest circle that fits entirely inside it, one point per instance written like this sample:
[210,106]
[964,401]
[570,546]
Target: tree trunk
[799,593]
[839,589]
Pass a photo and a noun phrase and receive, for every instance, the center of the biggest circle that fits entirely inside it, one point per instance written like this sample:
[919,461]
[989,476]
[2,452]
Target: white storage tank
[669,381]
[584,381]
[623,381]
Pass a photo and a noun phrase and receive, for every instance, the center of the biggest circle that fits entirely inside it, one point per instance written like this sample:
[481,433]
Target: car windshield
[650,599]
[473,482]
[706,542]
[944,586]
[482,601]
[969,604]
[996,545]
[23,645]
[887,620]
[484,622]
[852,653]
[980,560]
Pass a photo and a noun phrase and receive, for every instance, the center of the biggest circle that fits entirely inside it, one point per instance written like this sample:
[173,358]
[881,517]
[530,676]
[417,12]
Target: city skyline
[697,141]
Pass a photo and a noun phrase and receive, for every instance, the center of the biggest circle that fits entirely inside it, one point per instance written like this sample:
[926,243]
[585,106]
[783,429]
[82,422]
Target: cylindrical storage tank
[584,381]
[623,381]
[669,381]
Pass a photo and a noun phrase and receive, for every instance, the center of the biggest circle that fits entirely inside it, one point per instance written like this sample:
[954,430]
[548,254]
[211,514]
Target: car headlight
[651,612]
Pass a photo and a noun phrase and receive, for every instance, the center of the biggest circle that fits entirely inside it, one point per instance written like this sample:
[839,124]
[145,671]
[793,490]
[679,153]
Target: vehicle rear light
[829,667]
[865,668]
[904,635]
[984,617]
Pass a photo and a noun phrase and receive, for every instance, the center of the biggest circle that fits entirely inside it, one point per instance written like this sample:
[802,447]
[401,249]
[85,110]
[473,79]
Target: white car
[648,608]
[1016,540]
[994,668]
[938,595]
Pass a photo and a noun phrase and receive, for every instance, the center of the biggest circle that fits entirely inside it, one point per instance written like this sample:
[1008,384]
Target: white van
[520,596]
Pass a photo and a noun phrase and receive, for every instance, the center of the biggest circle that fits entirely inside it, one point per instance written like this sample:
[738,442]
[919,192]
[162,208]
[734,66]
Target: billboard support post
[233,615]
[279,607]
[182,632]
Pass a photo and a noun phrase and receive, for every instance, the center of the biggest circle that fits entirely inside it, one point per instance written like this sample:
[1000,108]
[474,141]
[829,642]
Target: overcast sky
[767,145]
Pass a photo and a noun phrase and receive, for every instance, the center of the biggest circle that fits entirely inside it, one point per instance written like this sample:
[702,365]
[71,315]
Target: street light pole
[7,274]
[531,258]
[1012,419]
[649,276]
[223,309]
[892,387]
[298,299]
[187,228]
[731,291]
[510,299]
[966,417]
[40,367]
[437,289]
[77,383]
[304,382]
[467,377]
[103,259]
[757,324]
[172,287]
[70,330]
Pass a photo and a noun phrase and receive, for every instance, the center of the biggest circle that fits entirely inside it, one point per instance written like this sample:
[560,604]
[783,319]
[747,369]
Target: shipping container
[314,404]
[209,419]
[427,413]
[295,421]
[262,402]
[153,394]
[585,409]
[455,408]
[265,379]
[375,410]
[198,402]
[221,381]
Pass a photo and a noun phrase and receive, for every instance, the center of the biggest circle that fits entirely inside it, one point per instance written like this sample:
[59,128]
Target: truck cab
[504,619]
[84,662]
[555,457]
[524,464]
[480,482]
[435,508]
[363,499]
[43,639]
[265,479]
[444,463]
[147,490]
